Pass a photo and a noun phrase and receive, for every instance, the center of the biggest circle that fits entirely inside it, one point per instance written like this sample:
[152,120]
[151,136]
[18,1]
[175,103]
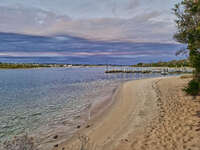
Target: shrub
[192,88]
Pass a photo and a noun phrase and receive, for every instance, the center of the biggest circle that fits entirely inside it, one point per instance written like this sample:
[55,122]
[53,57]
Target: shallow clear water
[36,100]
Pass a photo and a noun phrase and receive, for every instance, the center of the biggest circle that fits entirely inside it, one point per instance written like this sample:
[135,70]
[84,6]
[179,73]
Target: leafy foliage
[21,66]
[188,24]
[188,21]
[173,63]
[192,88]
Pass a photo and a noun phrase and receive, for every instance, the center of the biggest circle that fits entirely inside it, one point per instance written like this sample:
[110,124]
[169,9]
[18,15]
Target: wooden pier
[144,70]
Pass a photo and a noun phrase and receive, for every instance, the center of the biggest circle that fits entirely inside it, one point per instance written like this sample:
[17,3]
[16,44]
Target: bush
[193,88]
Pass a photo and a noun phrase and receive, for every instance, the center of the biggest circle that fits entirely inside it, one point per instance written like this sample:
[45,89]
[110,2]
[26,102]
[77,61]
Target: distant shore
[171,64]
[146,114]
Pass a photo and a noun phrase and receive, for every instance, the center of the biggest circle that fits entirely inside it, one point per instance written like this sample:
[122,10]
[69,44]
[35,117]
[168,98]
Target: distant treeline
[32,65]
[21,66]
[173,63]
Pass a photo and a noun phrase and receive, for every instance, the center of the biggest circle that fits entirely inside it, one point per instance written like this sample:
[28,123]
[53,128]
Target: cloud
[141,28]
[18,19]
[28,47]
[78,8]
[133,4]
[98,20]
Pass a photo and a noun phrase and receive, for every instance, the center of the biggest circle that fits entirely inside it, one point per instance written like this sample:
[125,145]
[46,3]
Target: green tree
[188,24]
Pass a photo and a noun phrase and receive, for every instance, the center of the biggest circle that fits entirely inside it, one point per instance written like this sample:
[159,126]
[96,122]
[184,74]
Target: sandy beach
[148,114]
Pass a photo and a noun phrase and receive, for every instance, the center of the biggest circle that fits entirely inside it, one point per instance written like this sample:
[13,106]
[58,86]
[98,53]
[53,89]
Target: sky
[108,20]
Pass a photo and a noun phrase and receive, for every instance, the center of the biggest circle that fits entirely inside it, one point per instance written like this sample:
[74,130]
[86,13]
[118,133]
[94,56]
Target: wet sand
[148,114]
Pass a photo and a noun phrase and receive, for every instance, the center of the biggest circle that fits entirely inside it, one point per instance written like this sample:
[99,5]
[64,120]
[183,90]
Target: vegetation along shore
[173,63]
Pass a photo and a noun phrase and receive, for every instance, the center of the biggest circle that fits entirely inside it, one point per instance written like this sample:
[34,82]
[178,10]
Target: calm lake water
[52,100]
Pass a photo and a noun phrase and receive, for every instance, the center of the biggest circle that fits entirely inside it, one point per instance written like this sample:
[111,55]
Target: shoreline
[150,114]
[98,112]
[94,109]
[108,113]
[100,102]
[63,120]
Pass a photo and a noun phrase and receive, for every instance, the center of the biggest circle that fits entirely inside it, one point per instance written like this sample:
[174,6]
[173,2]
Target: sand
[148,114]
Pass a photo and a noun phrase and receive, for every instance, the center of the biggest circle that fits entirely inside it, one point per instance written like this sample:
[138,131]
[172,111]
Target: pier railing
[162,70]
